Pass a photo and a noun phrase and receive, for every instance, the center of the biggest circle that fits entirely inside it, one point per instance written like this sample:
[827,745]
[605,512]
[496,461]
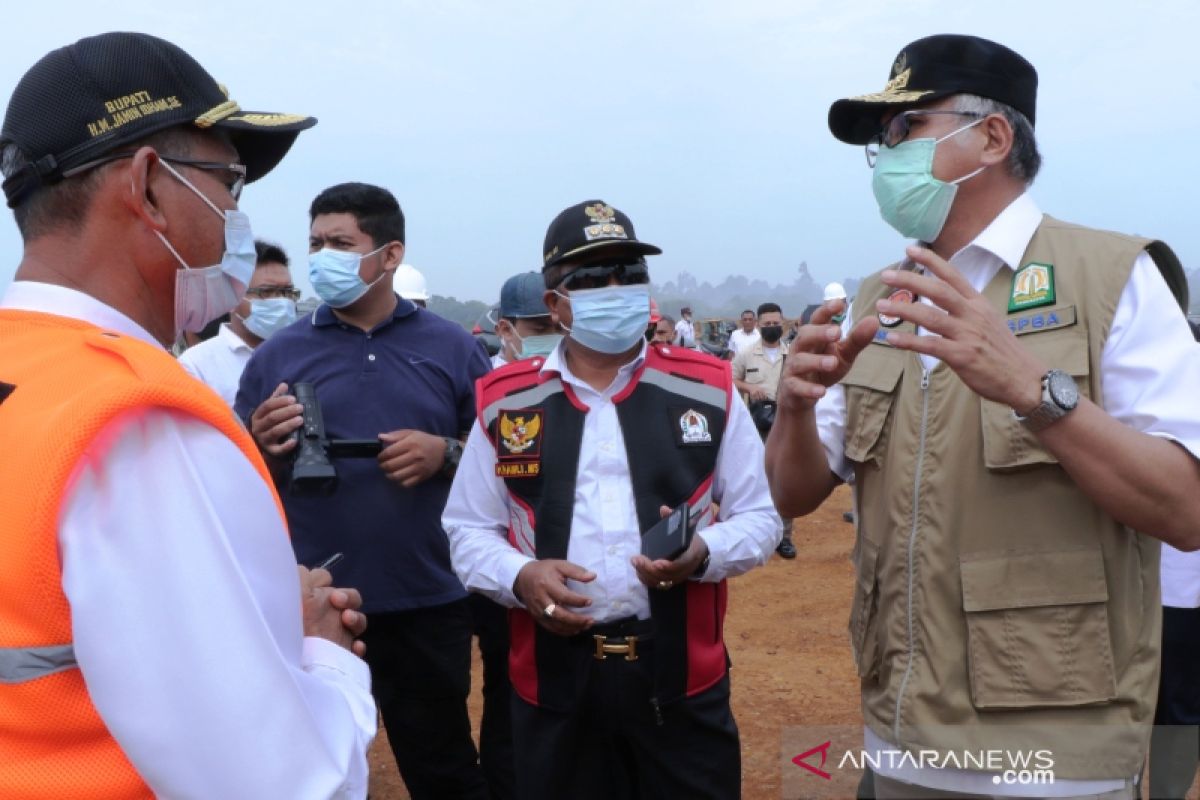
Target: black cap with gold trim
[935,67]
[89,98]
[590,226]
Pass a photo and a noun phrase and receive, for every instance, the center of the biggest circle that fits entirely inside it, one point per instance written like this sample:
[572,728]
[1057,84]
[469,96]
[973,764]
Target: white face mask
[269,316]
[203,294]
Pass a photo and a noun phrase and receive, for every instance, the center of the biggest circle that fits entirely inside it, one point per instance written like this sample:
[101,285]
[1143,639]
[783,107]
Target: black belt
[620,637]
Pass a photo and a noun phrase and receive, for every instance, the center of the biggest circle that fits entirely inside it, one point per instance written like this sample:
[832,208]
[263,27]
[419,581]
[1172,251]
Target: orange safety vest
[61,382]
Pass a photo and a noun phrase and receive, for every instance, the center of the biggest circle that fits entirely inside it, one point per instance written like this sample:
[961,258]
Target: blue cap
[521,296]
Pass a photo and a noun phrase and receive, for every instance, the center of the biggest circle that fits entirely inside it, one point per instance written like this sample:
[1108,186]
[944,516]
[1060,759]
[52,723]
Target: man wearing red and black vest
[617,660]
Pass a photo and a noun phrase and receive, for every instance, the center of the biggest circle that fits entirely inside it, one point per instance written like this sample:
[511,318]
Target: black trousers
[613,746]
[1175,744]
[420,675]
[495,729]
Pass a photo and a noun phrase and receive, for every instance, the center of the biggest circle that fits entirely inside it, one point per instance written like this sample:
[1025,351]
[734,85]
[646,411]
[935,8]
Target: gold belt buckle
[628,649]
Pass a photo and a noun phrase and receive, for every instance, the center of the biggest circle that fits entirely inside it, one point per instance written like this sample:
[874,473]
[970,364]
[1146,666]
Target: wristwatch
[454,451]
[1060,395]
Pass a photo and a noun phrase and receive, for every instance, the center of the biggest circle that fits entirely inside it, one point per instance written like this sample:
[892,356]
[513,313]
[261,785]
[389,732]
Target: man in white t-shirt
[745,336]
[268,306]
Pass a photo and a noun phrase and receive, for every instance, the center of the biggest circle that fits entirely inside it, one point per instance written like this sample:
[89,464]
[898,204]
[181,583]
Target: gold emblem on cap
[600,212]
[894,91]
[267,120]
[216,114]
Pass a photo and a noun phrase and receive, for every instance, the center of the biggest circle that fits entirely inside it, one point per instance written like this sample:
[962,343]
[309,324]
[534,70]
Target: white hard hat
[409,283]
[834,291]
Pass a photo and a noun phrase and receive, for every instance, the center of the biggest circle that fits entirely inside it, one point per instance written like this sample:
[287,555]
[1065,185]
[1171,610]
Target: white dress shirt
[739,340]
[604,528]
[1150,377]
[685,333]
[185,609]
[219,362]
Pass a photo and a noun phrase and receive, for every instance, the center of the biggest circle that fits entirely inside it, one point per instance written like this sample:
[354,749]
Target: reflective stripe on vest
[21,664]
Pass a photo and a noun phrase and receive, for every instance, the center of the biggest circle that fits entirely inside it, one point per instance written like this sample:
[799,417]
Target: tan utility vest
[996,607]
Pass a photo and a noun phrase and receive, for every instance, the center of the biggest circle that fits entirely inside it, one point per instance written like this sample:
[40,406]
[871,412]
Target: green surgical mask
[910,199]
[539,345]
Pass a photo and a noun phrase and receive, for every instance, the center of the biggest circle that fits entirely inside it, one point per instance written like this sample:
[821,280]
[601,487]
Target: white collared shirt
[739,340]
[185,609]
[605,533]
[219,362]
[1150,377]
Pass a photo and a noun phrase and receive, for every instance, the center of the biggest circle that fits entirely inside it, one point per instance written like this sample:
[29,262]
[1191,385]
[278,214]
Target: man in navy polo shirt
[382,368]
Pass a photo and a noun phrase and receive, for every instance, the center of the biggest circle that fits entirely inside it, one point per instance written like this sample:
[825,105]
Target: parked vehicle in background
[713,336]
[485,329]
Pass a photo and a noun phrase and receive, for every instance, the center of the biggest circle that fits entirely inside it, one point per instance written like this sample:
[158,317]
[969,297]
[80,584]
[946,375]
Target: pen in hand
[330,562]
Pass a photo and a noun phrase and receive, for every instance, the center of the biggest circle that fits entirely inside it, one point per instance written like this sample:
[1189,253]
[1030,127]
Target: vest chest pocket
[1007,444]
[870,394]
[1037,629]
[864,611]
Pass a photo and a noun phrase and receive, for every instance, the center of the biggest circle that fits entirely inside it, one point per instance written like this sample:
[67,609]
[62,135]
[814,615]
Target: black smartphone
[355,448]
[669,537]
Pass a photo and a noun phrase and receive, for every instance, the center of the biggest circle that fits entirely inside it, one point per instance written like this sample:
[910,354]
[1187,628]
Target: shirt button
[612,550]
[371,357]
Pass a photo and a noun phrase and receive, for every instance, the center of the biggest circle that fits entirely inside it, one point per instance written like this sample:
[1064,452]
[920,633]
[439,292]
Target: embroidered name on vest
[1037,321]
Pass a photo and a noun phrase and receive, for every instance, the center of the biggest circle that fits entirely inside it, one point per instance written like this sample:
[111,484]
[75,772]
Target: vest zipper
[912,541]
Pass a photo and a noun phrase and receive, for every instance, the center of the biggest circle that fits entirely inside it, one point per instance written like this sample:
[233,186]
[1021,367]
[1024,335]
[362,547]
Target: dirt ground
[792,667]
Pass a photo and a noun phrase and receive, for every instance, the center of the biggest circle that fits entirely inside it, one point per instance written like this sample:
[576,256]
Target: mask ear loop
[969,175]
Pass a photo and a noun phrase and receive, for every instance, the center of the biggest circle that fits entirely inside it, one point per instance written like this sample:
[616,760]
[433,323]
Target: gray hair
[1024,160]
[64,203]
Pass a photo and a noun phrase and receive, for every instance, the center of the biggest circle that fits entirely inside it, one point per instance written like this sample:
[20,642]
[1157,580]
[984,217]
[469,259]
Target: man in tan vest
[1014,403]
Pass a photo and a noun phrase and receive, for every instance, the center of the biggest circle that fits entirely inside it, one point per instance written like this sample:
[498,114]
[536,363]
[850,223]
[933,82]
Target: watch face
[1063,390]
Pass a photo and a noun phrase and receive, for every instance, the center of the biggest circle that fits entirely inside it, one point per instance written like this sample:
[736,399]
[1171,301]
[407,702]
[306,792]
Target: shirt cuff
[321,654]
[507,567]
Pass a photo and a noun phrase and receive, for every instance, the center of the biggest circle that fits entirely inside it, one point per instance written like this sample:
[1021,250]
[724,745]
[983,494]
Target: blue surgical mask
[334,275]
[269,316]
[910,199]
[611,319]
[540,345]
[204,293]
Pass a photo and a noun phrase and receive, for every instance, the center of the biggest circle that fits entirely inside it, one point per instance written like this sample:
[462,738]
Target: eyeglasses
[899,127]
[234,181]
[269,292]
[596,276]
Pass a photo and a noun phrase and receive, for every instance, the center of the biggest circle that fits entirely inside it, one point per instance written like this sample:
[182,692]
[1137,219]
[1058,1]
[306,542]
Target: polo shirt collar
[323,315]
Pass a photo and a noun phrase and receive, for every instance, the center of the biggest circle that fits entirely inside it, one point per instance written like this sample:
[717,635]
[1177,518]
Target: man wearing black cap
[1015,405]
[617,660]
[149,614]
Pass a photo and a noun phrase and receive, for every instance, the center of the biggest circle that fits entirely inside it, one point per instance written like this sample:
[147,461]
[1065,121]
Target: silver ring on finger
[548,611]
[664,585]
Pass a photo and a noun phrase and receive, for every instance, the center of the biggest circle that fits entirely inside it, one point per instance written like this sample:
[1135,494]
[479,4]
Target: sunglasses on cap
[596,276]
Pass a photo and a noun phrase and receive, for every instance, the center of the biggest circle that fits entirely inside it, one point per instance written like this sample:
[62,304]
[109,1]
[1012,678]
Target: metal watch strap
[1045,413]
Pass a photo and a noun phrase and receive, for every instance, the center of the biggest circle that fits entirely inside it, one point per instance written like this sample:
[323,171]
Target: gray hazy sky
[704,121]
